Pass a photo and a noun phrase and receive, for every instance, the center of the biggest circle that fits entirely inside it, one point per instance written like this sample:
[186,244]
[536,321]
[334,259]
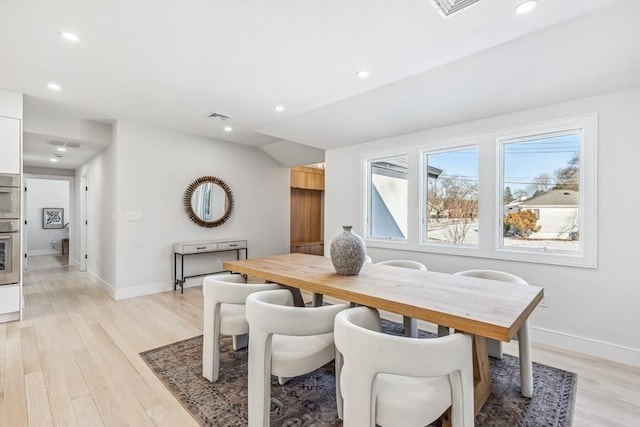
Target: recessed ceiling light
[54,86]
[279,108]
[53,159]
[62,149]
[362,74]
[228,128]
[69,36]
[526,6]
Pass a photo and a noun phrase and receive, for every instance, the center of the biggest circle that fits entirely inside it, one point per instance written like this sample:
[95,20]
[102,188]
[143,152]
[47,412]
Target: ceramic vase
[347,252]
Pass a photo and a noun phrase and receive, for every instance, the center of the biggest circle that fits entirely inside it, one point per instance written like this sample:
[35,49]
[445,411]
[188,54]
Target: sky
[523,160]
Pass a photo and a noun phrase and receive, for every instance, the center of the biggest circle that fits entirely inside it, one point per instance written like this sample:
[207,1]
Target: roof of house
[554,198]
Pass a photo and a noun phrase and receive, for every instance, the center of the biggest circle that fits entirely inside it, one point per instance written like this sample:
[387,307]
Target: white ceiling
[38,151]
[169,63]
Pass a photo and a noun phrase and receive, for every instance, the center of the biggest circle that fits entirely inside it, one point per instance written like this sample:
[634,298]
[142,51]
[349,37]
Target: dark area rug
[310,400]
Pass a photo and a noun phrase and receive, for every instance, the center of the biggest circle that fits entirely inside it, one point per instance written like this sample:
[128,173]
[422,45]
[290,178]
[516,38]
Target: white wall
[11,104]
[100,172]
[45,193]
[590,310]
[153,168]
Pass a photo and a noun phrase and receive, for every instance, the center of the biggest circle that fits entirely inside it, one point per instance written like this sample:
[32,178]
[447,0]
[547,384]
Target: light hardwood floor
[73,360]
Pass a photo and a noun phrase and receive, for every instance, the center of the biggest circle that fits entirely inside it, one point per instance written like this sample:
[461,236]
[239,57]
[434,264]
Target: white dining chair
[410,324]
[284,341]
[404,263]
[494,347]
[388,380]
[224,314]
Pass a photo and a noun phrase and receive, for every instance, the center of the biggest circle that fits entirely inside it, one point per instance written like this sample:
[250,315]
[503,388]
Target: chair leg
[338,369]
[317,300]
[210,344]
[259,381]
[410,327]
[494,348]
[283,380]
[240,341]
[359,404]
[526,366]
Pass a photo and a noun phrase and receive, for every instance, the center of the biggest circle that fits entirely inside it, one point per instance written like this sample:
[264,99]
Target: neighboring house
[557,213]
[513,206]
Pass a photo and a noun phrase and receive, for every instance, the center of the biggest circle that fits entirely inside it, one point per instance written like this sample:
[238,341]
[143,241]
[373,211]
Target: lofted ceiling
[171,63]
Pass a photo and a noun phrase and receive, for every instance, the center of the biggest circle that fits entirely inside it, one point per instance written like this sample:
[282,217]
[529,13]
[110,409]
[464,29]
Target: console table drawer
[193,248]
[238,244]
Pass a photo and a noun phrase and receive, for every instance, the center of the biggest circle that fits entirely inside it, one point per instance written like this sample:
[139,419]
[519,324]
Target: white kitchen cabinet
[9,145]
[9,302]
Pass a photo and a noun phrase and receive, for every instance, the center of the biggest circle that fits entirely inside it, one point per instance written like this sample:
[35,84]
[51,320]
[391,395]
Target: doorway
[49,212]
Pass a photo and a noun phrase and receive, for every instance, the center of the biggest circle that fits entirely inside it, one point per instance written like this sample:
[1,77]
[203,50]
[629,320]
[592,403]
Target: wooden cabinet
[307,178]
[307,210]
[9,145]
[311,248]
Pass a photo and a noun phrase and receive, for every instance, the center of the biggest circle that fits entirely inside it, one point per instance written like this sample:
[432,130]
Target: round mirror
[208,201]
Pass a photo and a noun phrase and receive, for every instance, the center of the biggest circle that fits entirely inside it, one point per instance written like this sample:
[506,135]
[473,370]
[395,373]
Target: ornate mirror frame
[188,207]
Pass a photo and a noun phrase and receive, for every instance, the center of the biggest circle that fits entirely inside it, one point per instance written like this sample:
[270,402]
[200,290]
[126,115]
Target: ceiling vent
[66,144]
[218,116]
[449,7]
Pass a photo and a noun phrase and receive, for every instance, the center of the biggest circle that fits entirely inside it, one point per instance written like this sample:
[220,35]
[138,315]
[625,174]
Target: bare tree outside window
[452,196]
[541,184]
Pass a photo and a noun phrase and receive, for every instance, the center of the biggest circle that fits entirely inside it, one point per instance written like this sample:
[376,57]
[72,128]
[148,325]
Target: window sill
[551,258]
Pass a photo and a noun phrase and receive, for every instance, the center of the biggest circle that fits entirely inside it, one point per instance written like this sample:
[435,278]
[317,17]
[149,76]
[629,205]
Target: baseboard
[39,252]
[102,284]
[154,288]
[591,347]
[9,317]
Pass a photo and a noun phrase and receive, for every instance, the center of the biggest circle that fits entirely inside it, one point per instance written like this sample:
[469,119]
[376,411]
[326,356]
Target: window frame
[368,160]
[586,127]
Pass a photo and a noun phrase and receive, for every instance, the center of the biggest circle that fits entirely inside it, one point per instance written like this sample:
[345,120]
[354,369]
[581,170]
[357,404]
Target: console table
[202,247]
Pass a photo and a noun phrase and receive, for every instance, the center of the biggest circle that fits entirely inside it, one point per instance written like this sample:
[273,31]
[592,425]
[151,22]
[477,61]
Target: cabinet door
[9,145]
[9,299]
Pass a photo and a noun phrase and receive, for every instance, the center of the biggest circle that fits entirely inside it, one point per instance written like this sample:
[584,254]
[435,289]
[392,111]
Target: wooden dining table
[480,307]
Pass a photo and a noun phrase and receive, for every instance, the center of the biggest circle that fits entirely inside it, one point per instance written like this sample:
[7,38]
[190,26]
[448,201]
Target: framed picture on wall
[52,218]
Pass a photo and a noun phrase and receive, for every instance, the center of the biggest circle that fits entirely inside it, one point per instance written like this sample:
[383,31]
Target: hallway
[46,262]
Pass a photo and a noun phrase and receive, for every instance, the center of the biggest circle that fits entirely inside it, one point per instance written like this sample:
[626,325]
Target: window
[451,211]
[541,192]
[387,198]
[524,194]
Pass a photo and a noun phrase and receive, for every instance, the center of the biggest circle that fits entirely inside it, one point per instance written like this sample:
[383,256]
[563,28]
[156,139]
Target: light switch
[134,216]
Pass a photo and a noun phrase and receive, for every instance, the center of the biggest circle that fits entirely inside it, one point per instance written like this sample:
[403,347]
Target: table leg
[481,373]
[298,301]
